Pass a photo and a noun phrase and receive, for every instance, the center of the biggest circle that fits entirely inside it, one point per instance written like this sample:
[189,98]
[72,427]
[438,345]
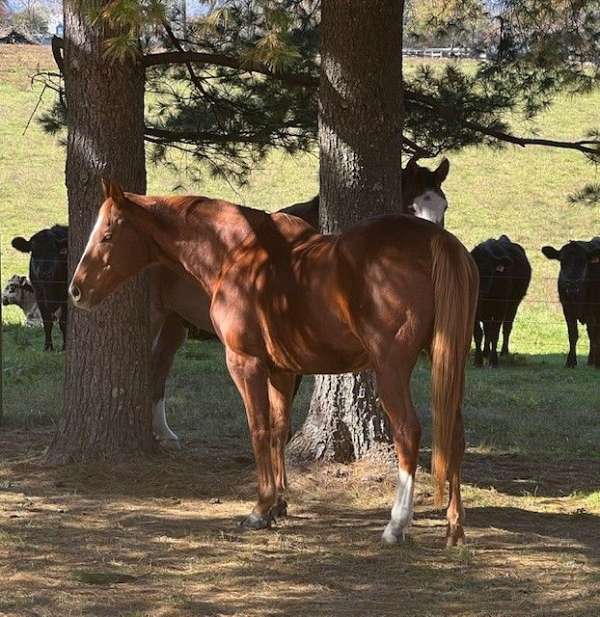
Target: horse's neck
[196,239]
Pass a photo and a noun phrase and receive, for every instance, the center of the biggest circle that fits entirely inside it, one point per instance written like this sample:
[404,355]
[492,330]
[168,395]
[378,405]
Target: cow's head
[48,249]
[574,258]
[422,191]
[492,267]
[114,253]
[17,291]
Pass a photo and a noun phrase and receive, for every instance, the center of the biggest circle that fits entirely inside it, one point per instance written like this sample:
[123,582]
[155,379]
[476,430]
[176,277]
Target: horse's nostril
[75,292]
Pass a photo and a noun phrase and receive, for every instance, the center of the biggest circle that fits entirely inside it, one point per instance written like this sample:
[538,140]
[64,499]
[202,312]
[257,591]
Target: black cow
[504,277]
[579,293]
[592,300]
[48,276]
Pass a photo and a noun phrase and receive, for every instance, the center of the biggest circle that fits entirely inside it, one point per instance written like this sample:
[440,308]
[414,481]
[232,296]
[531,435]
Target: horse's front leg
[282,387]
[251,377]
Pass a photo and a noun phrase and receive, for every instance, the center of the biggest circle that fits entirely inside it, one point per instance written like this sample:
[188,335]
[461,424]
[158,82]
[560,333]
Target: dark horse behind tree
[285,300]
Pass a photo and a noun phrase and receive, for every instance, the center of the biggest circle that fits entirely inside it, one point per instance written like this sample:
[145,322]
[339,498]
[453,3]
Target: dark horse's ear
[112,189]
[412,166]
[21,244]
[441,173]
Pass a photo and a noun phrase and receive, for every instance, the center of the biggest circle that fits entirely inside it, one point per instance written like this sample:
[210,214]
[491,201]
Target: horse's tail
[456,285]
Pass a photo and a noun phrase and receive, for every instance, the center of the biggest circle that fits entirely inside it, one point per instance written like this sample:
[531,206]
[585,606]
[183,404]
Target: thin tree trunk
[107,408]
[360,134]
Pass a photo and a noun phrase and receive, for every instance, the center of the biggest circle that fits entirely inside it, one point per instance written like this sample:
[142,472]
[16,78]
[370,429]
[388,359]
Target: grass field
[145,539]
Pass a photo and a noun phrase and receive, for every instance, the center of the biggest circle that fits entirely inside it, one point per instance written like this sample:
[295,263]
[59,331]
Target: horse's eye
[107,237]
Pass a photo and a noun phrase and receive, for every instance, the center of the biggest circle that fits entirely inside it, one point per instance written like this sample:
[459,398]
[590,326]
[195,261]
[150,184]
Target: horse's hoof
[168,443]
[256,521]
[455,537]
[390,536]
[280,509]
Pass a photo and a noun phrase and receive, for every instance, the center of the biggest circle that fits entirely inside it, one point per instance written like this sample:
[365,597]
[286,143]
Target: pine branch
[167,136]
[417,100]
[587,146]
[224,60]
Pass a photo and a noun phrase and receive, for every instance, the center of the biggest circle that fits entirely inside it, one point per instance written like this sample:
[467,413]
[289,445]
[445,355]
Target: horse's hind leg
[251,377]
[281,392]
[456,513]
[393,385]
[170,338]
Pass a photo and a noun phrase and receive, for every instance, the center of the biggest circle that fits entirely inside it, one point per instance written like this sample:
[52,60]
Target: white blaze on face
[402,510]
[97,225]
[430,206]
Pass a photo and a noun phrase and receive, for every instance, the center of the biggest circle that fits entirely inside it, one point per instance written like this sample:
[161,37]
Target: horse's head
[422,191]
[114,253]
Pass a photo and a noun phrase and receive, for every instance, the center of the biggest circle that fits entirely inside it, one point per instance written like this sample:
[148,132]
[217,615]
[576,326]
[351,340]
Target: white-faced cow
[48,276]
[19,292]
[579,293]
[504,275]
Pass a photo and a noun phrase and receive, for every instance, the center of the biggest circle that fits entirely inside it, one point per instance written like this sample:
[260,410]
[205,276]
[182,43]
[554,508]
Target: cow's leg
[170,338]
[393,386]
[48,321]
[251,377]
[62,322]
[573,331]
[492,333]
[593,331]
[478,337]
[507,327]
[456,513]
[281,391]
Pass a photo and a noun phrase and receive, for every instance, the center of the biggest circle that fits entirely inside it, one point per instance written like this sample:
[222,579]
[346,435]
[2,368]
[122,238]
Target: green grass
[530,405]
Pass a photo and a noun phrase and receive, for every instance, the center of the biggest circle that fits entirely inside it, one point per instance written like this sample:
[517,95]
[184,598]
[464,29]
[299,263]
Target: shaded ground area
[162,538]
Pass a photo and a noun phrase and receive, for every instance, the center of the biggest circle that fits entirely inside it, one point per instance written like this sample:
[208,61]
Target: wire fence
[536,313]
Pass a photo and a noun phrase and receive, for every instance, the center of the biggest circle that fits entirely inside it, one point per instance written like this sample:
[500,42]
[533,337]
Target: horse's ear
[441,173]
[113,190]
[412,164]
[105,187]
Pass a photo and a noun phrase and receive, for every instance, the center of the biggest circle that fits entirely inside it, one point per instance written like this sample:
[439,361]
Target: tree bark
[360,135]
[107,407]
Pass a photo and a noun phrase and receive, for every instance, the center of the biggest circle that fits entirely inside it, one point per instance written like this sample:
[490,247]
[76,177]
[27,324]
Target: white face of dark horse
[422,191]
[431,206]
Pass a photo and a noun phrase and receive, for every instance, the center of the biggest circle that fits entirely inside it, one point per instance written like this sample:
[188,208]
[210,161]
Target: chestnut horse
[176,301]
[285,300]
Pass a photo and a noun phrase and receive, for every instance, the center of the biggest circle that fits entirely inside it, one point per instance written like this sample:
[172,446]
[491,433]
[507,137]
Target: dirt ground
[161,538]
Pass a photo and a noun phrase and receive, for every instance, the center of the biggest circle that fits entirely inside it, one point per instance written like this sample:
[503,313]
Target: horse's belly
[314,346]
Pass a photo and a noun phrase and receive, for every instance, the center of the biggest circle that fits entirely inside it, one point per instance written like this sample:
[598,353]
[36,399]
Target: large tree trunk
[107,408]
[360,134]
